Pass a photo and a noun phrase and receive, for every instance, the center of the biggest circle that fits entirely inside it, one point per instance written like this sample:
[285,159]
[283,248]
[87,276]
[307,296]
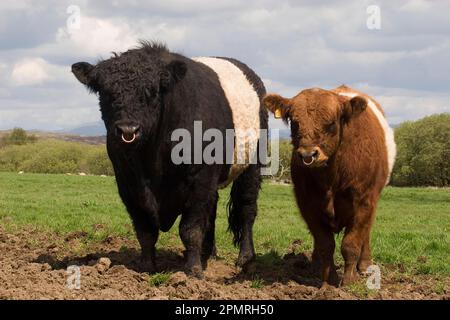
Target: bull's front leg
[141,204]
[143,213]
[194,226]
[192,233]
[356,238]
[324,246]
[147,237]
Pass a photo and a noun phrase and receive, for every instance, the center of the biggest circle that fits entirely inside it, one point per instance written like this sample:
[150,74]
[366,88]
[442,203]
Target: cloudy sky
[404,64]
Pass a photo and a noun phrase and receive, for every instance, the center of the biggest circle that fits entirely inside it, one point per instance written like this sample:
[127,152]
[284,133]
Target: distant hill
[87,130]
[94,140]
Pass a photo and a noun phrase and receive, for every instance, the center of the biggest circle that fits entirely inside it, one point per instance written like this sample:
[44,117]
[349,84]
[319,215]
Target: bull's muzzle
[128,140]
[309,157]
[128,133]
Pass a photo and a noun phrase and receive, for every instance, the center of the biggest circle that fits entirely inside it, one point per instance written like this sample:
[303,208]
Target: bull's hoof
[208,255]
[348,279]
[147,265]
[244,260]
[214,253]
[195,271]
[363,265]
[334,279]
[246,264]
[325,286]
[205,262]
[250,267]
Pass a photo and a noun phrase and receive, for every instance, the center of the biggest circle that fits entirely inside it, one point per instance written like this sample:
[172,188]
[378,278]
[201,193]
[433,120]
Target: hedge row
[55,156]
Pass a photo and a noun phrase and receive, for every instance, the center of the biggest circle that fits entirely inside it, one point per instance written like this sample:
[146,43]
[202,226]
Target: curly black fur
[161,91]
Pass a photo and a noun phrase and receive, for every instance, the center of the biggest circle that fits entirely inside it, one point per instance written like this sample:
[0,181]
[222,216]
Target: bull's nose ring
[129,141]
[308,163]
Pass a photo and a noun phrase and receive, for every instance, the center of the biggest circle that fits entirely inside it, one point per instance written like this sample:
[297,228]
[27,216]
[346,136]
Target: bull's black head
[131,89]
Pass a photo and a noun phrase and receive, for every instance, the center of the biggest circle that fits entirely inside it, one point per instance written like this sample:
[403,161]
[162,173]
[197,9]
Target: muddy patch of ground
[34,265]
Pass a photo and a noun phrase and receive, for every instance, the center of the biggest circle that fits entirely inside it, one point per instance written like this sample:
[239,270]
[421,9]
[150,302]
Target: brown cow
[343,153]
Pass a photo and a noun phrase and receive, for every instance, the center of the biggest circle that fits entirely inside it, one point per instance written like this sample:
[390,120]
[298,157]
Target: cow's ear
[278,105]
[81,71]
[354,107]
[175,71]
[178,69]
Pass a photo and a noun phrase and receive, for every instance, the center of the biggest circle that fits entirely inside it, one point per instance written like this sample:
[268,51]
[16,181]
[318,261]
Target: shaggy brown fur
[341,187]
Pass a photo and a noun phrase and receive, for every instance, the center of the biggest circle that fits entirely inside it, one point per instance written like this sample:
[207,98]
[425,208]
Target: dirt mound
[39,265]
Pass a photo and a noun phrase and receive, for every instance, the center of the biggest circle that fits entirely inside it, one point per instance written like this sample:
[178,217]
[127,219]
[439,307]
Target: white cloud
[14,5]
[39,107]
[30,71]
[402,105]
[37,71]
[97,37]
[416,5]
[280,88]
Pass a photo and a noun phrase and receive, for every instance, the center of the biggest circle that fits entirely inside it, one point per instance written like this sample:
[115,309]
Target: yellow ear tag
[277,113]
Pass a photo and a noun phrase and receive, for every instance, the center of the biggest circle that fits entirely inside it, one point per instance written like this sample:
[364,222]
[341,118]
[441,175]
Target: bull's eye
[150,95]
[331,127]
[294,128]
[147,95]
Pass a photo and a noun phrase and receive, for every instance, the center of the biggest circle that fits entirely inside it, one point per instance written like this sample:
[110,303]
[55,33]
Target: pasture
[48,222]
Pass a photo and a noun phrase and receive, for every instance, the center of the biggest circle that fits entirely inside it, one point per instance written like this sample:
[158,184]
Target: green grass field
[412,228]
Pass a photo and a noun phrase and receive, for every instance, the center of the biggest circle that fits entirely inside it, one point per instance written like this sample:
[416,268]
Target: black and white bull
[145,94]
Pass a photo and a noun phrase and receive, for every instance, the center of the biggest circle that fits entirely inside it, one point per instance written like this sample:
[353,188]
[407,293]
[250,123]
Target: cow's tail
[242,205]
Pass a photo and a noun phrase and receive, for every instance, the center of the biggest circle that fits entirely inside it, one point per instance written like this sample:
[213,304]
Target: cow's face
[317,118]
[131,88]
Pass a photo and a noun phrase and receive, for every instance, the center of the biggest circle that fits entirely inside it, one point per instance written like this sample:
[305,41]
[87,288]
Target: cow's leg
[147,237]
[365,259]
[192,233]
[324,246]
[141,205]
[312,210]
[209,246]
[315,259]
[142,211]
[242,212]
[147,232]
[356,235]
[193,228]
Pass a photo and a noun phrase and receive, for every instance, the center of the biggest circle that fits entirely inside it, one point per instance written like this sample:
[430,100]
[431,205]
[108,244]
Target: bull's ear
[278,105]
[81,71]
[175,71]
[354,107]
